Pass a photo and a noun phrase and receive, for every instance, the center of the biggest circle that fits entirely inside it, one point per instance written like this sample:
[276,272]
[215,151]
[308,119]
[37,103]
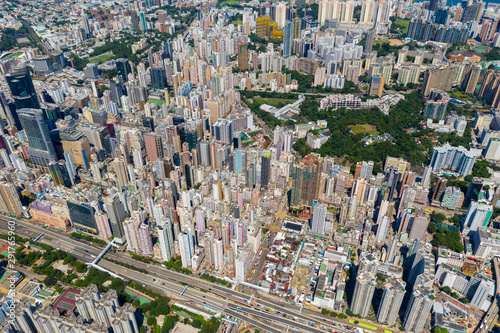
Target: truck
[311,323]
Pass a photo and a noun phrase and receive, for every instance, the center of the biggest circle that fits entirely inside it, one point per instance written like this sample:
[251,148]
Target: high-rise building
[158,77]
[296,28]
[218,254]
[9,199]
[478,215]
[490,88]
[306,179]
[472,11]
[91,71]
[433,5]
[485,288]
[436,104]
[281,14]
[473,191]
[471,77]
[377,85]
[363,170]
[153,145]
[438,77]
[243,56]
[21,88]
[59,173]
[265,170]
[223,130]
[166,240]
[82,216]
[418,309]
[123,68]
[145,241]
[41,149]
[134,20]
[186,247]
[117,213]
[287,39]
[370,37]
[243,262]
[453,198]
[457,159]
[318,220]
[262,26]
[394,292]
[419,227]
[120,166]
[363,293]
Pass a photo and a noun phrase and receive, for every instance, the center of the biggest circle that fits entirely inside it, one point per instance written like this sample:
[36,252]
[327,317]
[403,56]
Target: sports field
[155,101]
[276,102]
[363,128]
[102,58]
[230,2]
[137,295]
[4,251]
[403,24]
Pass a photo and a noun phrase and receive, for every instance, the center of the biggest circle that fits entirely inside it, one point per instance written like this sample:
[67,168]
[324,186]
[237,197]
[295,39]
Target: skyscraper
[9,199]
[471,77]
[243,56]
[306,174]
[41,149]
[158,78]
[21,87]
[457,159]
[91,71]
[436,105]
[377,85]
[120,167]
[134,20]
[394,292]
[370,37]
[418,309]
[186,248]
[265,170]
[363,293]
[116,212]
[287,39]
[438,77]
[433,5]
[478,215]
[166,239]
[318,219]
[59,173]
[123,68]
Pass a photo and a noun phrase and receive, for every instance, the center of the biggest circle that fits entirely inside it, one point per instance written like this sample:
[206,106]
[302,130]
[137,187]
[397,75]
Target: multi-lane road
[268,315]
[490,319]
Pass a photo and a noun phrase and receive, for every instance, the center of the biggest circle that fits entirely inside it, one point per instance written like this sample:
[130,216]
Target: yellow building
[262,26]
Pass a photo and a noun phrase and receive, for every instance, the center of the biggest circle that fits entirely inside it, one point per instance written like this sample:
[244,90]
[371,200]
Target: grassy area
[381,41]
[403,24]
[155,101]
[16,54]
[101,58]
[276,102]
[237,22]
[366,128]
[461,96]
[373,133]
[363,324]
[230,2]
